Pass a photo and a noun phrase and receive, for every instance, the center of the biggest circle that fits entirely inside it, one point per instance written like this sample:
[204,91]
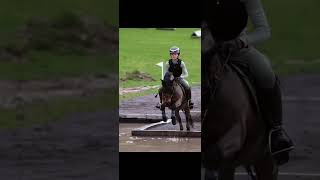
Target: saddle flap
[247,80]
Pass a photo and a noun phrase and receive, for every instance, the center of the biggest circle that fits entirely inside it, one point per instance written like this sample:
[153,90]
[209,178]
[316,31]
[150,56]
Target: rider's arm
[184,70]
[166,68]
[259,20]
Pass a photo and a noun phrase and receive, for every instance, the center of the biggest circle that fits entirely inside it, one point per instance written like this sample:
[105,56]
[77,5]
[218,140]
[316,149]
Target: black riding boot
[189,98]
[272,112]
[188,91]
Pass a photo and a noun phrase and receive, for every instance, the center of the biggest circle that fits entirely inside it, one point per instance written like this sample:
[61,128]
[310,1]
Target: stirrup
[190,104]
[158,105]
[274,130]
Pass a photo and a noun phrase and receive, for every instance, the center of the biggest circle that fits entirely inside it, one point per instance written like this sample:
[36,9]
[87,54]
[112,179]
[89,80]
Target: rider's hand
[231,45]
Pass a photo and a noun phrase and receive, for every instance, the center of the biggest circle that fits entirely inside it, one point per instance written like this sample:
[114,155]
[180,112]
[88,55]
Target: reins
[217,78]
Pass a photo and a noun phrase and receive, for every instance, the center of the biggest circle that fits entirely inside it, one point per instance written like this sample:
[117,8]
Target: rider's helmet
[174,49]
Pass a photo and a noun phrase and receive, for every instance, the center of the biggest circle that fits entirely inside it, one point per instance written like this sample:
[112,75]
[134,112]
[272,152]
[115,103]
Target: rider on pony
[226,21]
[179,70]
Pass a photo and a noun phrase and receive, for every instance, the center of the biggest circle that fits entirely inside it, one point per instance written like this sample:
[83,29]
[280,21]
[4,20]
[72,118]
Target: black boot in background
[272,113]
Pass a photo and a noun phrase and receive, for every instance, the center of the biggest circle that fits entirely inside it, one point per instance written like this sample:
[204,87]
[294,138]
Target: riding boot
[188,92]
[272,112]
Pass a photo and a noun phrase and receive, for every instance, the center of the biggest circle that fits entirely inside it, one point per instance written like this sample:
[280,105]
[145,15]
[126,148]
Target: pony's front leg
[179,119]
[189,120]
[226,173]
[210,174]
[173,117]
[164,116]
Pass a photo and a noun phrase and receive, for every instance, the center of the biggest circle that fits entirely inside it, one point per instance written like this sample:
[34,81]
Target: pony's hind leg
[179,119]
[266,168]
[226,173]
[173,117]
[164,116]
[189,120]
[210,174]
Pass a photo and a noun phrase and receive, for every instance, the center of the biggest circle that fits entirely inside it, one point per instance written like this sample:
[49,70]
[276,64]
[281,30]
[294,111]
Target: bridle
[216,77]
[171,90]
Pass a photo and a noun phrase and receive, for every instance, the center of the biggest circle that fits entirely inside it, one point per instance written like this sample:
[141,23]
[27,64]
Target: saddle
[244,73]
[183,89]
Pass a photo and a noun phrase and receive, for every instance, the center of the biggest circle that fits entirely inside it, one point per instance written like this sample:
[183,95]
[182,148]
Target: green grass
[14,15]
[55,110]
[295,35]
[129,96]
[142,49]
[46,65]
[43,65]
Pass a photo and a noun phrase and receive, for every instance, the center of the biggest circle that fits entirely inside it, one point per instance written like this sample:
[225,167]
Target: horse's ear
[171,77]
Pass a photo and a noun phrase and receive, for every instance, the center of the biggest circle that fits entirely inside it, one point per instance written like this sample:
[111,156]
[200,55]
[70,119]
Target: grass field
[294,46]
[49,65]
[141,49]
[14,13]
[54,110]
[46,65]
[43,65]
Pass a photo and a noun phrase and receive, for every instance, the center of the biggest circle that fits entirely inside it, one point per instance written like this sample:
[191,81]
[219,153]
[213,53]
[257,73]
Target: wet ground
[128,143]
[301,112]
[146,105]
[84,146]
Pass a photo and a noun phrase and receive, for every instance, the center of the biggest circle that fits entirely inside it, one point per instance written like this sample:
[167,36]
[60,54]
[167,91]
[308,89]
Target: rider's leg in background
[186,86]
[269,93]
[160,97]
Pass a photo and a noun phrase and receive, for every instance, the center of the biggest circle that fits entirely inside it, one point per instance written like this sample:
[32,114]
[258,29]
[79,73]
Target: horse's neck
[178,90]
[233,90]
[214,66]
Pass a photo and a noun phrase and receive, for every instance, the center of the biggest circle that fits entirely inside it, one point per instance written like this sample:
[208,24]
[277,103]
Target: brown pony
[172,95]
[233,132]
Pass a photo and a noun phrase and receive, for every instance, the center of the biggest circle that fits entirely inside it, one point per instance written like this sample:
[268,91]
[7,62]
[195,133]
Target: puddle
[128,143]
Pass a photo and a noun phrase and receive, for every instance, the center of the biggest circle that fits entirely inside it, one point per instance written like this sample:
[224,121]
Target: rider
[226,21]
[179,70]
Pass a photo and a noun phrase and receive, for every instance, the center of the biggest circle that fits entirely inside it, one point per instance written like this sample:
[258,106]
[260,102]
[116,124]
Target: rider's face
[174,56]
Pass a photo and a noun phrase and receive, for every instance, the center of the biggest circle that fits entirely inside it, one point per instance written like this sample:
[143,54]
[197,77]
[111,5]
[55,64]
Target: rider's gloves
[231,45]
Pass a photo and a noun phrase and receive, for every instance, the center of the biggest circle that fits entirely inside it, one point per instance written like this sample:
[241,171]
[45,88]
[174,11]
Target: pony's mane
[167,79]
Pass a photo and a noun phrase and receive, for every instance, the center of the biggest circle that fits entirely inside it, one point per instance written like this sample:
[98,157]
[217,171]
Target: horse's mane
[167,81]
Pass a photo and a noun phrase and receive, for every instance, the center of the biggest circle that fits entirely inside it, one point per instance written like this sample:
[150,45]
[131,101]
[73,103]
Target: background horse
[233,132]
[172,95]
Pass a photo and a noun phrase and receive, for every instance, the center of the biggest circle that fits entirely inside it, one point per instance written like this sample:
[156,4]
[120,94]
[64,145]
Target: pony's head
[167,88]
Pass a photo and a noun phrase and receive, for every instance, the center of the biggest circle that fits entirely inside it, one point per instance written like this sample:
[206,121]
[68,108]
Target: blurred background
[293,47]
[58,81]
[294,53]
[142,54]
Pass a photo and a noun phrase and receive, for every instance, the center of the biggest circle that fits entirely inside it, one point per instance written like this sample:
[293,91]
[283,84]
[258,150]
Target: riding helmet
[174,49]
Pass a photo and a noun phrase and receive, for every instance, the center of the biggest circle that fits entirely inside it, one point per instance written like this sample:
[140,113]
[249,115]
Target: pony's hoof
[173,121]
[164,119]
[181,129]
[192,125]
